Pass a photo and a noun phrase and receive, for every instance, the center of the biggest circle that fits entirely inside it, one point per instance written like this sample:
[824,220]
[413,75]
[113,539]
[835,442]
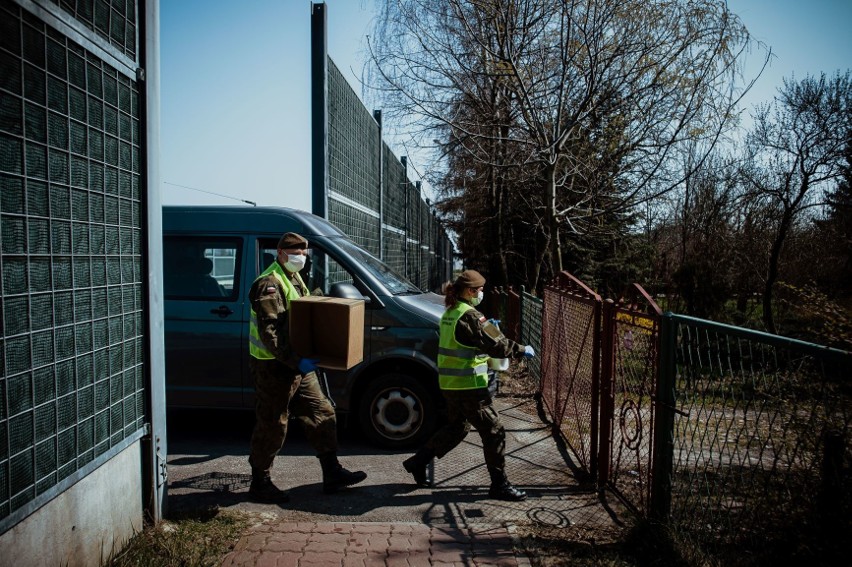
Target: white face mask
[295,262]
[474,301]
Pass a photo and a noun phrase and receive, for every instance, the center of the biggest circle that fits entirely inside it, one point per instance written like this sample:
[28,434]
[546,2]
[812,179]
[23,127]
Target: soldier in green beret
[467,341]
[284,382]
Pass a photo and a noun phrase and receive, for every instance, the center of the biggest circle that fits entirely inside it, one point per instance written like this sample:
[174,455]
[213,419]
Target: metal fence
[529,332]
[629,361]
[738,439]
[72,346]
[755,433]
[361,187]
[570,365]
[520,316]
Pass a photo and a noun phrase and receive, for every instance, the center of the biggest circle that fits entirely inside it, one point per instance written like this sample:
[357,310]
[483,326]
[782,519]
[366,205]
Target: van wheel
[397,411]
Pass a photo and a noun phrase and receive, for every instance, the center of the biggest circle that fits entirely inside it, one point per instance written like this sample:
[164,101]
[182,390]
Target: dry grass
[548,546]
[196,539]
[517,381]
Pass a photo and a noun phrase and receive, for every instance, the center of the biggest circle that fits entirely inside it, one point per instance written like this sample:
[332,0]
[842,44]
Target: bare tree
[595,99]
[706,213]
[797,149]
[753,221]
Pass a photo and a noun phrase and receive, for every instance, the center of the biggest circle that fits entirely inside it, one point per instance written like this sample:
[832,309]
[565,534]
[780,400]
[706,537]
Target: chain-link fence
[738,440]
[530,331]
[760,430]
[629,363]
[570,365]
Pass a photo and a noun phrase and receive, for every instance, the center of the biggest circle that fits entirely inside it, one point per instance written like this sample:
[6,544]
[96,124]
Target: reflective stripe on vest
[460,367]
[256,347]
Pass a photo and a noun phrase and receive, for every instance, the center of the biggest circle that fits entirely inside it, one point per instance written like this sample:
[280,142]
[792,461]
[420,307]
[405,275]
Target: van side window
[201,268]
[321,271]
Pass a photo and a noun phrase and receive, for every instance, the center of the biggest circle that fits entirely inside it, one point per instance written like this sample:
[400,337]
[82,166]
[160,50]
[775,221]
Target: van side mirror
[347,291]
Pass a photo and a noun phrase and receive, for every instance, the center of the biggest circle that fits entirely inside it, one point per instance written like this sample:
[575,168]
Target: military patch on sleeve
[492,331]
[482,319]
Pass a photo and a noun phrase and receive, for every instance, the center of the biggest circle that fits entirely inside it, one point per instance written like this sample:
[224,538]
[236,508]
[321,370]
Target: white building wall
[84,525]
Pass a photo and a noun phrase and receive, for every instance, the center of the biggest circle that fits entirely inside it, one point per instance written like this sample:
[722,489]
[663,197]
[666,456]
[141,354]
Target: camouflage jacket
[273,323]
[474,330]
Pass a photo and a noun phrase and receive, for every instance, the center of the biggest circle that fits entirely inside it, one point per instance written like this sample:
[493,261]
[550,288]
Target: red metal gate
[570,364]
[599,364]
[629,355]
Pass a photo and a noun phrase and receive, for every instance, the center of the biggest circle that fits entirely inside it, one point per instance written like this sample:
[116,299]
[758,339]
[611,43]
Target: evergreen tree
[835,234]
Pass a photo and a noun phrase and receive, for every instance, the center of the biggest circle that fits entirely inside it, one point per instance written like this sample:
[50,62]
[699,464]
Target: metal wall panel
[360,186]
[72,340]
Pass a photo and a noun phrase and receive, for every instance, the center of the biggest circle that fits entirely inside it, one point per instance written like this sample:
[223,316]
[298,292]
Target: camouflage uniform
[279,386]
[466,408]
[465,343]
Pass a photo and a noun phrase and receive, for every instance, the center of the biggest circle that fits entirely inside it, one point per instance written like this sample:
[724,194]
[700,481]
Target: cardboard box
[329,329]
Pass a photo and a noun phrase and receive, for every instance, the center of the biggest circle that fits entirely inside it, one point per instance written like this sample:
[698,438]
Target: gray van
[211,256]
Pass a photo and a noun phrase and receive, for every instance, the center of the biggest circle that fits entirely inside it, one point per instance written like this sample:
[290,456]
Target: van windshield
[394,282]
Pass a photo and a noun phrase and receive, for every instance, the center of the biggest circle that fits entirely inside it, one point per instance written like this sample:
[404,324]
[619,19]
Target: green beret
[291,240]
[470,278]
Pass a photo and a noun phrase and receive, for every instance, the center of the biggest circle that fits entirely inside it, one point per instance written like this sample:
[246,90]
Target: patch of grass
[518,382]
[645,544]
[548,546]
[196,539]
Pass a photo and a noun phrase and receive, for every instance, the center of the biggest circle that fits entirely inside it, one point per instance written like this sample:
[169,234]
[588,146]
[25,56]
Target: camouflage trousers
[282,392]
[466,408]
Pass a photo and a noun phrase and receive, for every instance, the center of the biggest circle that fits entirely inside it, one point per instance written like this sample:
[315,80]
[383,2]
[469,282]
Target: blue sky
[235,85]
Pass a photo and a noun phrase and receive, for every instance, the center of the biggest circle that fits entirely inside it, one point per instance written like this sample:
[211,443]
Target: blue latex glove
[307,365]
[529,352]
[495,322]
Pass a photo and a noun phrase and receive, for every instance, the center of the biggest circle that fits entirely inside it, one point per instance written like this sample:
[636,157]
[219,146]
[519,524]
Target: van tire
[397,411]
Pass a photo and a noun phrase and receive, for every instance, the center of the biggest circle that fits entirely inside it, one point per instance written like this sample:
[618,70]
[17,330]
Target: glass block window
[112,20]
[354,143]
[395,211]
[72,343]
[369,196]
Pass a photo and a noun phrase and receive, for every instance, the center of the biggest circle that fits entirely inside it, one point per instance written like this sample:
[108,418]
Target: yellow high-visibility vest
[256,347]
[460,367]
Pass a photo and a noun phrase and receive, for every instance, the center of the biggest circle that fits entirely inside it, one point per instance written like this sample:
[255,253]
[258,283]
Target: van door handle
[221,311]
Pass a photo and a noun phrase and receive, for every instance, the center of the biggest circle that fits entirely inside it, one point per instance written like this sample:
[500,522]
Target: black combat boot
[416,465]
[263,490]
[502,489]
[334,476]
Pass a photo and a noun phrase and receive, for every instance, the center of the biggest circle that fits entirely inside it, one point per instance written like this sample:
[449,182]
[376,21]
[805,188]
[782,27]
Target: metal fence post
[830,496]
[377,116]
[319,111]
[663,447]
[604,396]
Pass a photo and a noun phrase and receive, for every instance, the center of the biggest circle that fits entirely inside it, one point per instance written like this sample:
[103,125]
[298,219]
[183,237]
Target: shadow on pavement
[208,467]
